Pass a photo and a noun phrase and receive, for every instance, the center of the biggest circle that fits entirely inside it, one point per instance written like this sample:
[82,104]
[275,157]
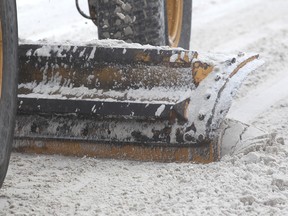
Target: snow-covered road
[252,184]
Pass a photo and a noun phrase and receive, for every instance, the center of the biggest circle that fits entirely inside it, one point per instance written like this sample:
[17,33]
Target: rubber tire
[186,31]
[145,22]
[9,84]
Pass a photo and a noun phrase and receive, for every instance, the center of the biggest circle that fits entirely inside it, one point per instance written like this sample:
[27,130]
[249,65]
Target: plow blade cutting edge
[157,104]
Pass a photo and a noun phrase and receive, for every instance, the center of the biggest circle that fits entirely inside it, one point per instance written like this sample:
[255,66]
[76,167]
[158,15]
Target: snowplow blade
[152,104]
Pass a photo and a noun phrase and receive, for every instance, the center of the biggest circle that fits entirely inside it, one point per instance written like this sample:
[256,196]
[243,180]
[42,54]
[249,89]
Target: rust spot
[142,57]
[182,109]
[172,117]
[107,76]
[199,154]
[204,154]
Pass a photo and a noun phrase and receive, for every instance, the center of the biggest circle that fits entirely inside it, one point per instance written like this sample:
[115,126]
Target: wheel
[8,80]
[179,17]
[154,22]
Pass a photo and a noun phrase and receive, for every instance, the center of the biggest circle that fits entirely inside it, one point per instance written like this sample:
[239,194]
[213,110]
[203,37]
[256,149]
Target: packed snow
[255,183]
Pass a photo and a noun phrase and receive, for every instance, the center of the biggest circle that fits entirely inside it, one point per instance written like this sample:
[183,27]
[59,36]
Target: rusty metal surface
[203,154]
[105,68]
[100,129]
[51,110]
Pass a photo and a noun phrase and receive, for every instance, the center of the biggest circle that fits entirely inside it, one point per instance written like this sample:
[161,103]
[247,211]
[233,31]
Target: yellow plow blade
[153,104]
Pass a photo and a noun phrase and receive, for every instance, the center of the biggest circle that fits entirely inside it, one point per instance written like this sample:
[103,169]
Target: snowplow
[117,98]
[160,105]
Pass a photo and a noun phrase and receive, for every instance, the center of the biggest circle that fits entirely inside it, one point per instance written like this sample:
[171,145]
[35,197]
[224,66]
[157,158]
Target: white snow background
[252,184]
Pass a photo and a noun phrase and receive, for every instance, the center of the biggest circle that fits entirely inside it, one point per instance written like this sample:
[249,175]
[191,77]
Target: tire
[139,21]
[186,30]
[9,81]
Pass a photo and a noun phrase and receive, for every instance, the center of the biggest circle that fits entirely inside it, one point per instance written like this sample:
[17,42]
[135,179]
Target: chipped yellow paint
[200,71]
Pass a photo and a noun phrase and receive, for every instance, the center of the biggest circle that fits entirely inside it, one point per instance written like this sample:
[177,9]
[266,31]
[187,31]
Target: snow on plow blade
[156,104]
